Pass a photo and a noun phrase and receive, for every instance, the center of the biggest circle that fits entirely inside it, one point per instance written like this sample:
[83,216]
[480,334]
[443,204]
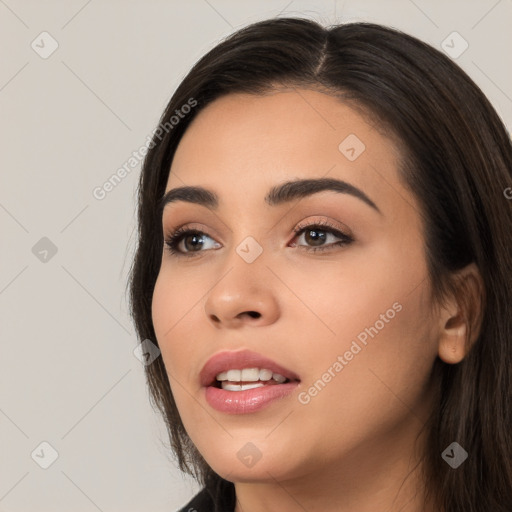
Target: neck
[378,475]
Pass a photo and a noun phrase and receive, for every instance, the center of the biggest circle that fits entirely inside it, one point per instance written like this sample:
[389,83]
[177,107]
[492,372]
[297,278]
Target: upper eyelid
[327,225]
[325,222]
[189,226]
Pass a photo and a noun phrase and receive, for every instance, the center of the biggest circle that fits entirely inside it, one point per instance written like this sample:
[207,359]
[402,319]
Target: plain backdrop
[82,85]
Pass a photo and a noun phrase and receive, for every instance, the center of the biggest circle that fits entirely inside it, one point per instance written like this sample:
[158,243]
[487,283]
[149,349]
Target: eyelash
[173,240]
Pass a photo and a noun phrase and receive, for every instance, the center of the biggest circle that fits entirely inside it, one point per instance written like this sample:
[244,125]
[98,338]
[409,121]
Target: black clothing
[205,502]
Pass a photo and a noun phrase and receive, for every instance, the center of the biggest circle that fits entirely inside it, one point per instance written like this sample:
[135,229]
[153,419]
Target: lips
[246,398]
[228,360]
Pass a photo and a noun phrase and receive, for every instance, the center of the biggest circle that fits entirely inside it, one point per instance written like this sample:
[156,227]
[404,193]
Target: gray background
[68,375]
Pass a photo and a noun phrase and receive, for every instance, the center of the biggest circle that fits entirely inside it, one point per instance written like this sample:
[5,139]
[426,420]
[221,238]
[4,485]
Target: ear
[460,317]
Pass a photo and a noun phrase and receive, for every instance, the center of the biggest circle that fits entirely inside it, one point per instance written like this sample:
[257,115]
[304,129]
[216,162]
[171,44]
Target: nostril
[253,314]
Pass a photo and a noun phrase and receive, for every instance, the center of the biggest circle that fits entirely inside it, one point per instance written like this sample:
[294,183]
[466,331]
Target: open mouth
[244,382]
[244,370]
[248,378]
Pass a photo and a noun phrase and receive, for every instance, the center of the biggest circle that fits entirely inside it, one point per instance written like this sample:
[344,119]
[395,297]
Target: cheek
[373,312]
[346,296]
[175,302]
[383,374]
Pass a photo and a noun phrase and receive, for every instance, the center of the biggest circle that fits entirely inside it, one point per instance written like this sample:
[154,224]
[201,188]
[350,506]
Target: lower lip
[250,400]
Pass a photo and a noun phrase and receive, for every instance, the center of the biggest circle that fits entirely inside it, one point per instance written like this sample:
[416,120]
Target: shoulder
[201,502]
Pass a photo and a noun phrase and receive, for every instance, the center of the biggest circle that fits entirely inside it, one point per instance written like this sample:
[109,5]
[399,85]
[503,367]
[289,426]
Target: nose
[245,295]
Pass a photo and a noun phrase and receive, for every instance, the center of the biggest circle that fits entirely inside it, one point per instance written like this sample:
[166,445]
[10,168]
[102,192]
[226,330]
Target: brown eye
[188,242]
[193,242]
[316,237]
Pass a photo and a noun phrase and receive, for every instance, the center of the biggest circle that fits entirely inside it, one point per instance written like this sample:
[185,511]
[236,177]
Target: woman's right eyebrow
[279,194]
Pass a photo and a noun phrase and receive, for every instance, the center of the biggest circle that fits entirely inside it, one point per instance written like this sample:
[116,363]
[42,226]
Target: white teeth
[250,375]
[265,374]
[234,375]
[241,387]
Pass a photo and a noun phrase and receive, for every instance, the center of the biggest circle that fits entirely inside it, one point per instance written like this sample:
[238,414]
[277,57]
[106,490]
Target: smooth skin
[352,446]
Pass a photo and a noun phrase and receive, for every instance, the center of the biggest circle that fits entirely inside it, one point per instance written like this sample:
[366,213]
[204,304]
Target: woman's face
[348,323]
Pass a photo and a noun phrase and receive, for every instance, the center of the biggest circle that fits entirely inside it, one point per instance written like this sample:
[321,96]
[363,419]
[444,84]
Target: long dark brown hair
[456,160]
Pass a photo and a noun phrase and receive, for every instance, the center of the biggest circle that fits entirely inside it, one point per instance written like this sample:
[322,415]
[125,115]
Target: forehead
[248,143]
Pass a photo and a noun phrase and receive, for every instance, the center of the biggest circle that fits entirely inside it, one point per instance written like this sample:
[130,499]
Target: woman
[324,260]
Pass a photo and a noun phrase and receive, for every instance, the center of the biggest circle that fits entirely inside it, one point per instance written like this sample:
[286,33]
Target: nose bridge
[244,292]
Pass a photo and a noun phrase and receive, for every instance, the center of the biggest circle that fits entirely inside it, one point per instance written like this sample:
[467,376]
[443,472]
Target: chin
[240,467]
[261,473]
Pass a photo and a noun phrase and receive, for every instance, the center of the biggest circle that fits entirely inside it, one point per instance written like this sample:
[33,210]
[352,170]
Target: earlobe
[461,317]
[452,344]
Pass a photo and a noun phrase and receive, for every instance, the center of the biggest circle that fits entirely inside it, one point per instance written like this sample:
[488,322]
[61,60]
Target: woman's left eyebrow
[279,194]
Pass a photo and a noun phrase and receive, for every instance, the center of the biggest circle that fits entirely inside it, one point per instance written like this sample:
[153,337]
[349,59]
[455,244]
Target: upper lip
[226,360]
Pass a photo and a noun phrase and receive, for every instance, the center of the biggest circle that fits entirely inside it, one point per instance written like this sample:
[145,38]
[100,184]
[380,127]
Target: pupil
[197,240]
[315,237]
